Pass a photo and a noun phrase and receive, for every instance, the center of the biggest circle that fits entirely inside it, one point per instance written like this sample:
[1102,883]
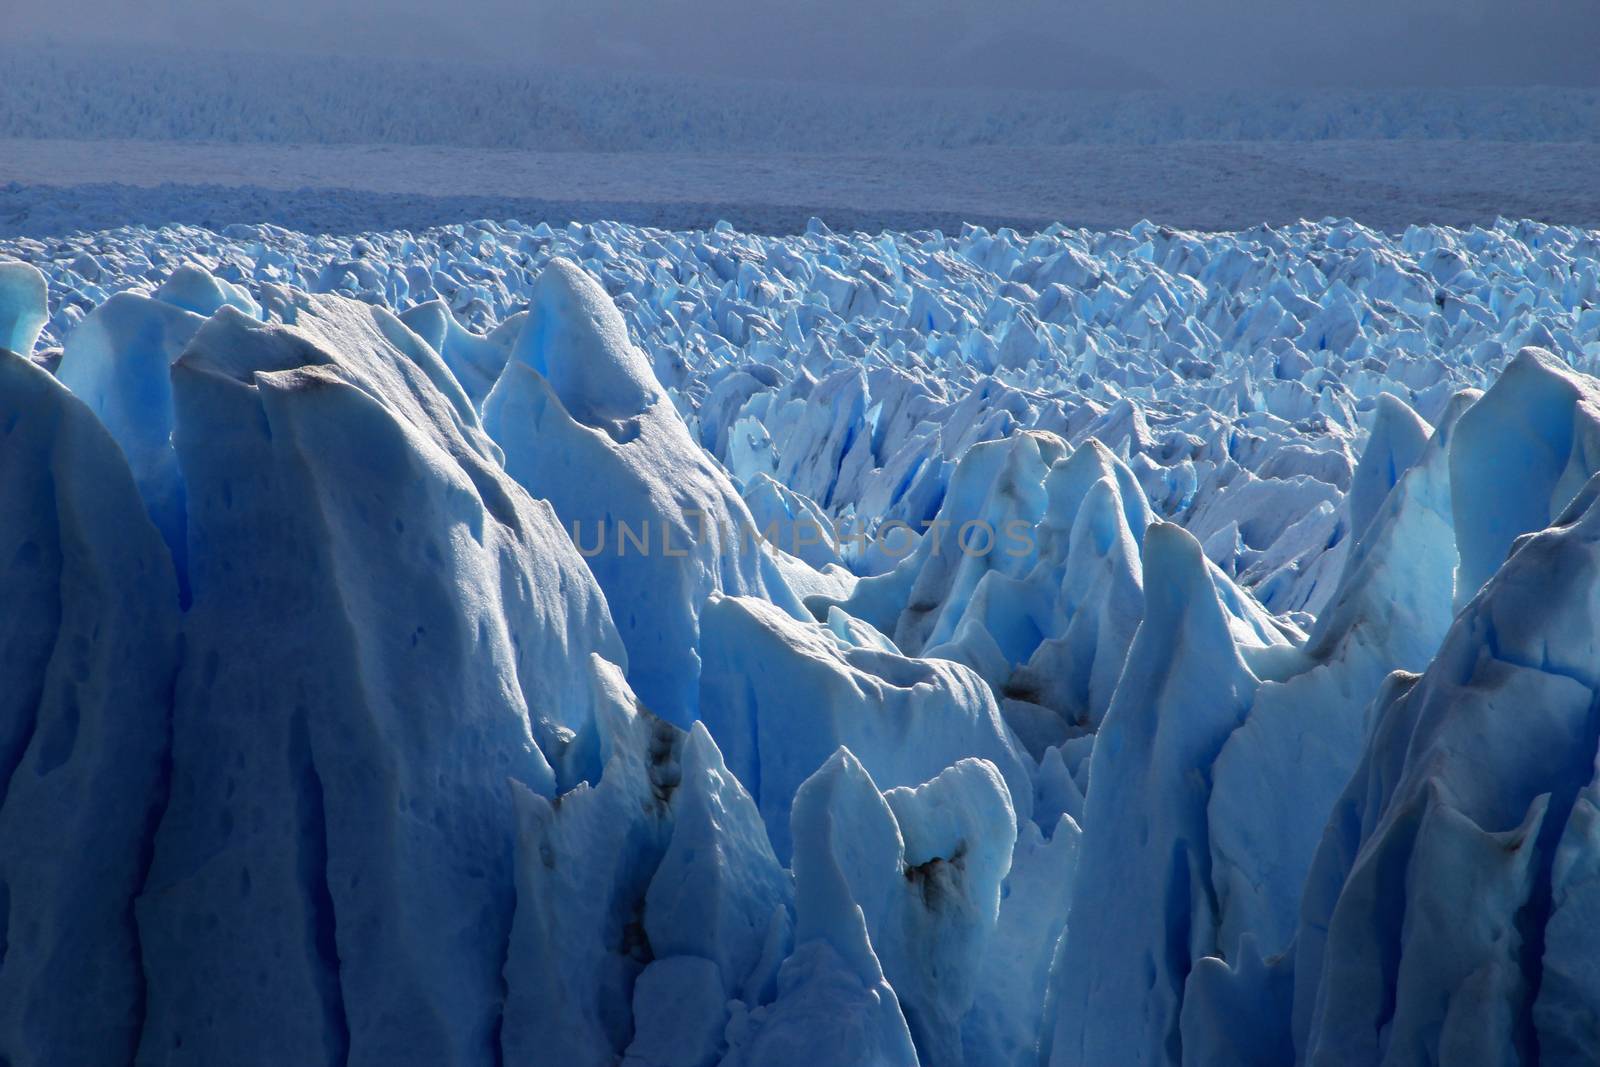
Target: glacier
[606,645]
[232,92]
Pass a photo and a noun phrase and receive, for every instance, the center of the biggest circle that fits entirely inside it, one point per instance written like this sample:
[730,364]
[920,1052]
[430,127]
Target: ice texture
[1066,648]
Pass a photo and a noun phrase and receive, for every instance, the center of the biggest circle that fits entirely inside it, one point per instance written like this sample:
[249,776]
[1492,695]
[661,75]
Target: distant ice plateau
[52,187]
[96,138]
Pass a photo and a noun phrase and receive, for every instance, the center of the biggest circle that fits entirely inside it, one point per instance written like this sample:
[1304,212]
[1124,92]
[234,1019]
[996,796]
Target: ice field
[55,187]
[79,92]
[1159,647]
[94,138]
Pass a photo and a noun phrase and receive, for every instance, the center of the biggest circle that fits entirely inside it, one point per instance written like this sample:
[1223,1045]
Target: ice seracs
[897,895]
[89,650]
[584,424]
[1302,737]
[23,311]
[1425,925]
[780,695]
[1145,870]
[647,901]
[340,783]
[1191,665]
[1521,454]
[119,362]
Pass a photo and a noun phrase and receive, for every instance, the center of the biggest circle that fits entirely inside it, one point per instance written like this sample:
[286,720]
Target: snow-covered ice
[614,645]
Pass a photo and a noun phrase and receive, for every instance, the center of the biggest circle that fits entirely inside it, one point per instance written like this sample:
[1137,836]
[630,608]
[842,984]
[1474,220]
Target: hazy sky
[1000,43]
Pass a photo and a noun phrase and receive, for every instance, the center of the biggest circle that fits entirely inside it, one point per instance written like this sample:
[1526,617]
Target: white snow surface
[1259,729]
